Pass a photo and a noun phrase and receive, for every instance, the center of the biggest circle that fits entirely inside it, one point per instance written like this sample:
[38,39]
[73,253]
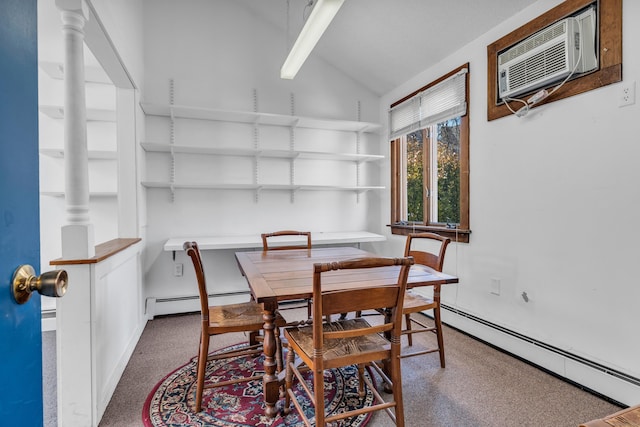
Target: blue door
[20,329]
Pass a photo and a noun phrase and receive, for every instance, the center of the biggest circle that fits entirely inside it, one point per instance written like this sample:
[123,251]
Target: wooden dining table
[287,275]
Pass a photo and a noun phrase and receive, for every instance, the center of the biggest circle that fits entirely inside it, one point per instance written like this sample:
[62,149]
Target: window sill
[456,235]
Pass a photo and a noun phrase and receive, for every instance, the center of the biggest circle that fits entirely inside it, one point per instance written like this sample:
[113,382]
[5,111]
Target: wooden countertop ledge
[103,251]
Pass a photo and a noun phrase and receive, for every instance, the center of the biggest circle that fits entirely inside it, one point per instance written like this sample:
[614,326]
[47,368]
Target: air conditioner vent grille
[550,56]
[536,67]
[533,42]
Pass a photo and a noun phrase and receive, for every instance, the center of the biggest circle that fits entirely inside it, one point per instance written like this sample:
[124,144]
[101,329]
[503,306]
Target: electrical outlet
[495,286]
[627,94]
[177,269]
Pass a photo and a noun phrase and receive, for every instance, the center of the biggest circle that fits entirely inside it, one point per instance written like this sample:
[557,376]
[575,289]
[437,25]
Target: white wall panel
[553,210]
[221,56]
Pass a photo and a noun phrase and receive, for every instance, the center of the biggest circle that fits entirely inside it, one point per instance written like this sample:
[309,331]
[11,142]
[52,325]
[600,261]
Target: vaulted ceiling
[380,43]
[383,43]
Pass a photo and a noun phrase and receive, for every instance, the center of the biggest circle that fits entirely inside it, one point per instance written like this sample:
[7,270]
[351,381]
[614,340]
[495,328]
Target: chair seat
[339,348]
[414,303]
[239,317]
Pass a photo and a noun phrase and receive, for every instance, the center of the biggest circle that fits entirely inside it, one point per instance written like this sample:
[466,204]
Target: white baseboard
[606,382]
[48,320]
[49,324]
[188,304]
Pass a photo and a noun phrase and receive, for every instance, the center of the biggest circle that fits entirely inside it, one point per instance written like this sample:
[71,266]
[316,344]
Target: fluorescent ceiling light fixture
[320,18]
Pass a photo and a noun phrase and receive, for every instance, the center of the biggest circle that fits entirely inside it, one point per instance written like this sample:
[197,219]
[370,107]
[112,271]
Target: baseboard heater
[579,359]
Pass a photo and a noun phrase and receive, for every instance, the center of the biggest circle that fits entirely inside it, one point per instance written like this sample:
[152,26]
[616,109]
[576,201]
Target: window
[429,134]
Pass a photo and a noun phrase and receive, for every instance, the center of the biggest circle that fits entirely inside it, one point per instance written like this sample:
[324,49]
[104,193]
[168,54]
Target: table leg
[270,383]
[386,362]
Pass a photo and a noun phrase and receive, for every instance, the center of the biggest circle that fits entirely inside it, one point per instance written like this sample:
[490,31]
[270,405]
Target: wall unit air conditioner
[550,55]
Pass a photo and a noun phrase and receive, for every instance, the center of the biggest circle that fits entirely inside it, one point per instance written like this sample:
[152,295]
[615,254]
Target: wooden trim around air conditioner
[610,52]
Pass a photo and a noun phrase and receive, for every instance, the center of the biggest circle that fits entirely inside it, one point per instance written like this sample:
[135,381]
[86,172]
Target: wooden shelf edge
[103,251]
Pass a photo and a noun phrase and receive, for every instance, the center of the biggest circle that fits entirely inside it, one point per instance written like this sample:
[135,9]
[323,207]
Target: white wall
[218,54]
[124,23]
[553,210]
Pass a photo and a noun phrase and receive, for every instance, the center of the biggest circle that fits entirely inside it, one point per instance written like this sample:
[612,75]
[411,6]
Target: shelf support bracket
[256,146]
[292,146]
[172,139]
[358,135]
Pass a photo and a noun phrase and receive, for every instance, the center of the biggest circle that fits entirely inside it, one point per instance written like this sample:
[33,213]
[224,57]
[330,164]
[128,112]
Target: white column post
[76,373]
[77,235]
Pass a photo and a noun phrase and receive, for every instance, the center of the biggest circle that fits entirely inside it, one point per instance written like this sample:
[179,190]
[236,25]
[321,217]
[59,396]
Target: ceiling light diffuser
[321,16]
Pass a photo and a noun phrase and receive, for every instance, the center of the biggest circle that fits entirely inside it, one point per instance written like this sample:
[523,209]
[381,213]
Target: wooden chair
[265,247]
[267,236]
[415,303]
[216,320]
[323,345]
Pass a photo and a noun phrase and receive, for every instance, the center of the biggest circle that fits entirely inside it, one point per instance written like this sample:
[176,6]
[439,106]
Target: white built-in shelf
[257,187]
[198,186]
[255,241]
[258,119]
[93,154]
[93,114]
[96,194]
[55,70]
[268,119]
[284,154]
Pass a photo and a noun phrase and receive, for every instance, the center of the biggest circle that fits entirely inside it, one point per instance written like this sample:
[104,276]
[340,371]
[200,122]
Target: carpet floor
[480,387]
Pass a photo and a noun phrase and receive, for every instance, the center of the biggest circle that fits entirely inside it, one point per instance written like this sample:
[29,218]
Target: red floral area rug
[172,401]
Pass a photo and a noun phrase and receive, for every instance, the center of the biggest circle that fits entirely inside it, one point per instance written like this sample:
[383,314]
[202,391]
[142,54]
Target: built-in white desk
[184,300]
[255,241]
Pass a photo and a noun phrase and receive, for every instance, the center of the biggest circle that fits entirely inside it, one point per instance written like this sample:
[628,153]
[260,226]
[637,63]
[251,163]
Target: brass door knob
[50,284]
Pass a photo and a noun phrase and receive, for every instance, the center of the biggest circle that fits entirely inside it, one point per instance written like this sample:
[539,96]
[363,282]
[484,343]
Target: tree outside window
[442,194]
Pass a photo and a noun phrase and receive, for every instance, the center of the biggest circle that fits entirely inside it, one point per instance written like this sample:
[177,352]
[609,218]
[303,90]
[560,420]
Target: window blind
[440,102]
